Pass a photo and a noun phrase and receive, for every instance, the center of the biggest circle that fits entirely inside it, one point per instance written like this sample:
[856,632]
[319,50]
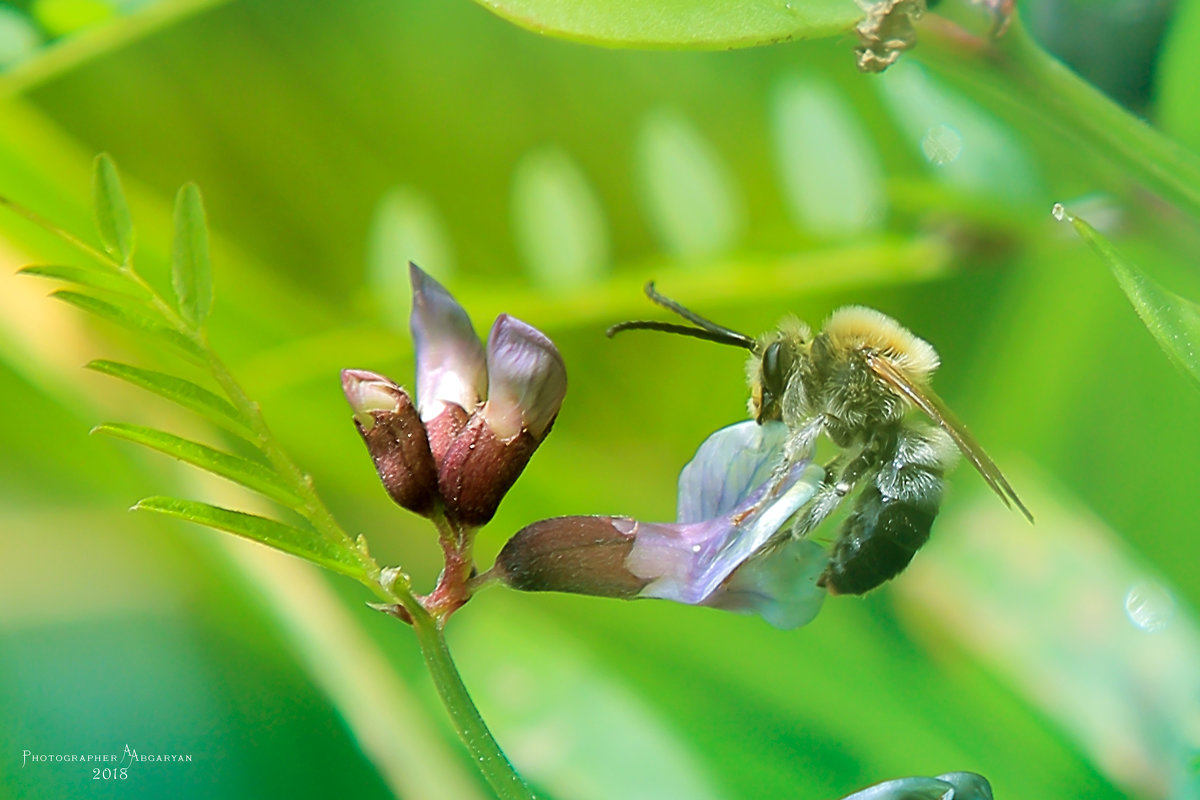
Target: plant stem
[394,587]
[318,514]
[495,766]
[1015,71]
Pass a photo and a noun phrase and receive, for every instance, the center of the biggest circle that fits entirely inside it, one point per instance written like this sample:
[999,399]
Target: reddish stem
[452,590]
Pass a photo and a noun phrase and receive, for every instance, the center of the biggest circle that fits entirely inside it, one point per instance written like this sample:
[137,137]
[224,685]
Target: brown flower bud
[395,438]
[479,468]
[581,555]
[443,429]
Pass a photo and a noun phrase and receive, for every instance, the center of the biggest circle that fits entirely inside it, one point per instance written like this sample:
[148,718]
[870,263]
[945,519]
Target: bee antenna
[726,336]
[720,336]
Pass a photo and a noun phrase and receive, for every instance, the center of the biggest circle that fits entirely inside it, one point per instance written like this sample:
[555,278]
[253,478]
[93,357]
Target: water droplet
[1149,606]
[1059,212]
[941,145]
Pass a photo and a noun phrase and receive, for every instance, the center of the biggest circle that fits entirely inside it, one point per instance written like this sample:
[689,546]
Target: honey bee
[855,382]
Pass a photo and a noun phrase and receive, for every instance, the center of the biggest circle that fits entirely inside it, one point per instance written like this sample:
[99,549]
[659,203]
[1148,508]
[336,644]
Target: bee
[855,382]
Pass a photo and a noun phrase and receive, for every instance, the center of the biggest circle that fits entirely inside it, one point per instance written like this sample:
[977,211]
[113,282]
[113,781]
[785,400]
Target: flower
[527,381]
[451,367]
[480,413]
[724,551]
[389,424]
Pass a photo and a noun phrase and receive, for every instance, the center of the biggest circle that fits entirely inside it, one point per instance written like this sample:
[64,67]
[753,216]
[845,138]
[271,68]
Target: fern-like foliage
[112,289]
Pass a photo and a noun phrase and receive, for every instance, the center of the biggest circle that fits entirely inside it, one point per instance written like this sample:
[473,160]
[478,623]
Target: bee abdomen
[877,541]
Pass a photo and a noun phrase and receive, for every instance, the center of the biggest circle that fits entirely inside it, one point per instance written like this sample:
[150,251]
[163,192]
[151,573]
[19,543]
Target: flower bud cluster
[480,412]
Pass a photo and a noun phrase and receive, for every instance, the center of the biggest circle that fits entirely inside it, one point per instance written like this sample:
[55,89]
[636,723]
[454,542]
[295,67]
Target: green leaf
[707,24]
[134,319]
[191,270]
[250,474]
[558,222]
[103,280]
[307,544]
[829,166]
[1172,320]
[112,212]
[690,197]
[1175,76]
[187,394]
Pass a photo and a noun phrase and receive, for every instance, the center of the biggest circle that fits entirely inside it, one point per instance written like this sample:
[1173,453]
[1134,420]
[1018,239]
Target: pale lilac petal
[451,366]
[730,465]
[780,586]
[689,562]
[527,379]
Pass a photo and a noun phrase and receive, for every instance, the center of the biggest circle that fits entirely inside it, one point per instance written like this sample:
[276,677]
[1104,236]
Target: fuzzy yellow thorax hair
[856,327]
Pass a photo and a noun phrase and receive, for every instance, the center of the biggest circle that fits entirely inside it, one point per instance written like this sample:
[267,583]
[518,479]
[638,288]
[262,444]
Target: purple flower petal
[527,379]
[689,562]
[451,367]
[727,467]
[779,585]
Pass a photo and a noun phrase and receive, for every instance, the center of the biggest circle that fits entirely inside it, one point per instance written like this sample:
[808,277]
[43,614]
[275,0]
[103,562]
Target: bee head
[775,359]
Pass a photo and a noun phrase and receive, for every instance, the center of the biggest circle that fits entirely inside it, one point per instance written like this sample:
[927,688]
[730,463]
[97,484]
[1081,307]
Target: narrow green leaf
[697,24]
[1172,320]
[832,178]
[112,212]
[250,474]
[1175,77]
[690,197]
[187,394]
[557,220]
[307,544]
[191,271]
[133,318]
[104,280]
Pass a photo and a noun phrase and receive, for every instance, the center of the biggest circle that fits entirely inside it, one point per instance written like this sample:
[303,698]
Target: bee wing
[925,399]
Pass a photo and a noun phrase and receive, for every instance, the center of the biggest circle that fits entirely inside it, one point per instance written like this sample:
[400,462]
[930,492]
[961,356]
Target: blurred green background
[333,141]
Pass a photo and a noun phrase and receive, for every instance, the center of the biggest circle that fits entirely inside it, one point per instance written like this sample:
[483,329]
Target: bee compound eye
[772,369]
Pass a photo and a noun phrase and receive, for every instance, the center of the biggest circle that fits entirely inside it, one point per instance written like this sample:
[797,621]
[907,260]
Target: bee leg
[836,485]
[840,481]
[823,503]
[801,440]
